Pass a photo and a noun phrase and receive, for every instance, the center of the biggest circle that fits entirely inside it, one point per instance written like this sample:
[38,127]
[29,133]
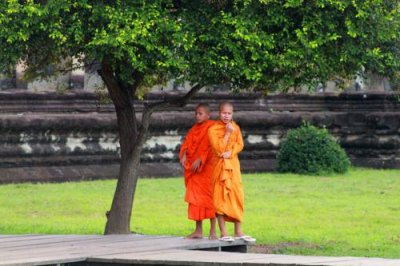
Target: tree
[262,45]
[135,43]
[276,45]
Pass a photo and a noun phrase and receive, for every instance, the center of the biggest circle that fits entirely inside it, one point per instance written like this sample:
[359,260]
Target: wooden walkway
[121,250]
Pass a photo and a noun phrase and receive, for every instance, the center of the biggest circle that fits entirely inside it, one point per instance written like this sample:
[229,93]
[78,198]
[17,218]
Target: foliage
[268,45]
[395,82]
[310,150]
[137,37]
[275,45]
[355,214]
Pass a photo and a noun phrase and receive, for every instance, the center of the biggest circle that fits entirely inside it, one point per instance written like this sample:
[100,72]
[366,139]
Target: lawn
[357,214]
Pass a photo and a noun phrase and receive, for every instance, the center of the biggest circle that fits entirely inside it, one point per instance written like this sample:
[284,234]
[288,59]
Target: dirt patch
[278,248]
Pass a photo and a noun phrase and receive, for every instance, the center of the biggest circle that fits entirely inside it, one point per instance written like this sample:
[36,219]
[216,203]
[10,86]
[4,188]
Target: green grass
[357,214]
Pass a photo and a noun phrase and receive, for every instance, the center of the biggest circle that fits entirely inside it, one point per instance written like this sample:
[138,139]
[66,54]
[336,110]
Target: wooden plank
[79,247]
[53,245]
[34,238]
[74,240]
[38,242]
[55,240]
[17,238]
[86,246]
[156,250]
[162,244]
[45,260]
[179,257]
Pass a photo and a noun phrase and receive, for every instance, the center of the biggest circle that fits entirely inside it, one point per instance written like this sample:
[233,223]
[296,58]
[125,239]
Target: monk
[197,161]
[228,197]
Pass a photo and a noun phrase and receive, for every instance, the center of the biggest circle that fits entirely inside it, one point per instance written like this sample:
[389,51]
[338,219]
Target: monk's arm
[203,152]
[206,154]
[184,147]
[229,139]
[217,144]
[238,144]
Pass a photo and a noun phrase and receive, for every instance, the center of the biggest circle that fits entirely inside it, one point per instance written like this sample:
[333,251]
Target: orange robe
[228,196]
[198,184]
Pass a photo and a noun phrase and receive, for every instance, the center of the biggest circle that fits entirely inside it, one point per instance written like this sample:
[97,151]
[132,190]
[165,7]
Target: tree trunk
[131,143]
[130,138]
[119,217]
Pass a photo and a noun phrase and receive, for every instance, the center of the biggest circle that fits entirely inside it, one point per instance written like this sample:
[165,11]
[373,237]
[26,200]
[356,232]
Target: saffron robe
[228,196]
[198,184]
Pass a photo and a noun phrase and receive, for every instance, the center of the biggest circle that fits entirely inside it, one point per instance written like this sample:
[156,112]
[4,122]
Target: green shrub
[311,150]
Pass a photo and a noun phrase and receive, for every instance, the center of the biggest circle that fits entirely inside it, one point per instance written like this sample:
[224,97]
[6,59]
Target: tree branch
[150,108]
[76,67]
[118,90]
[182,101]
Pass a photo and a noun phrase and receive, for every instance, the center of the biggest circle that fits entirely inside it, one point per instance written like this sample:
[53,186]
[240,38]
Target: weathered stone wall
[59,137]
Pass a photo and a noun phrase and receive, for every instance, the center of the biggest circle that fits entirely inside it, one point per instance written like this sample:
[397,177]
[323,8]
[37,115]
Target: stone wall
[58,137]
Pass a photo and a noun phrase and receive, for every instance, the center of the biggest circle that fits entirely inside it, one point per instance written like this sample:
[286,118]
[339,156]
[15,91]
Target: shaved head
[205,106]
[225,104]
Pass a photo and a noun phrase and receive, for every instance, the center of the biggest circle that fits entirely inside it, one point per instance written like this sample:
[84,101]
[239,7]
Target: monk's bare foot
[239,234]
[213,237]
[195,235]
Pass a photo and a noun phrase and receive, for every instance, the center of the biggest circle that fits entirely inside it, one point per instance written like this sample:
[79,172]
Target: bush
[311,150]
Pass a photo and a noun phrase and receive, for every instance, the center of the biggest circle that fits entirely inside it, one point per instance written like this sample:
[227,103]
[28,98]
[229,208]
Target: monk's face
[226,113]
[202,115]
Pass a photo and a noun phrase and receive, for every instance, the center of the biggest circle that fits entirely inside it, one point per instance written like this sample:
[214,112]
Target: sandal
[227,239]
[246,239]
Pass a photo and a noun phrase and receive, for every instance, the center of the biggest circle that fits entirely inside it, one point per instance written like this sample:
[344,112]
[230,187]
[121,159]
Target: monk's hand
[229,128]
[195,165]
[183,159]
[226,155]
[228,131]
